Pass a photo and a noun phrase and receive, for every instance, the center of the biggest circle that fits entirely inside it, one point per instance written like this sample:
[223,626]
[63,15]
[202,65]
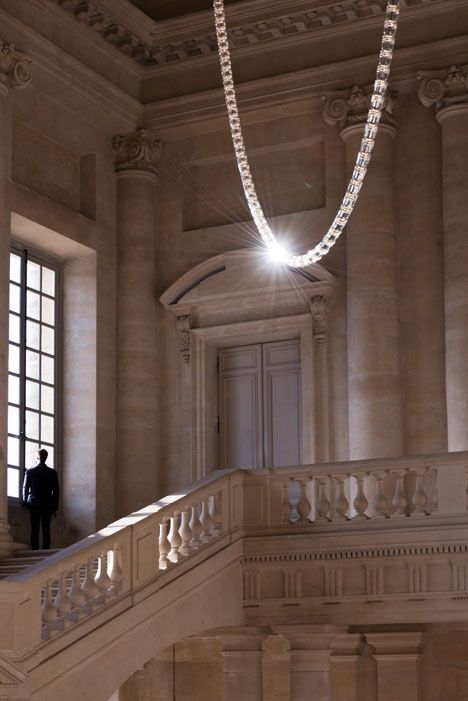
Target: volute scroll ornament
[443,88]
[15,68]
[138,151]
[348,107]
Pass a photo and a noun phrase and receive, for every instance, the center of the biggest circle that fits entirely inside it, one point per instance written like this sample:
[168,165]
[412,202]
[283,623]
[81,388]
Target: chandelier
[350,198]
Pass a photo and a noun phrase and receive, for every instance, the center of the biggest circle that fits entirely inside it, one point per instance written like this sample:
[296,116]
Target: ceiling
[166,9]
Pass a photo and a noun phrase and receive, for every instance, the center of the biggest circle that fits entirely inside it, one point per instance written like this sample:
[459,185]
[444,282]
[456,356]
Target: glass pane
[15,268]
[13,420]
[15,298]
[13,389]
[13,358]
[13,451]
[47,369]
[33,275]
[32,425]
[48,281]
[32,394]
[47,429]
[30,453]
[48,310]
[48,340]
[32,365]
[32,334]
[14,328]
[13,482]
[47,399]
[33,304]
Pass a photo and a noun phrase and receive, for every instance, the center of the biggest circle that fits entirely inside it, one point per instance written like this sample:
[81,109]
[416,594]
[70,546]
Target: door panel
[240,397]
[282,403]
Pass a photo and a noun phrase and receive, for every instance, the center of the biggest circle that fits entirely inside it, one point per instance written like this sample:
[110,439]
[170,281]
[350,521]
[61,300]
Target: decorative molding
[443,88]
[15,68]
[247,28]
[357,553]
[139,151]
[349,107]
[184,324]
[318,310]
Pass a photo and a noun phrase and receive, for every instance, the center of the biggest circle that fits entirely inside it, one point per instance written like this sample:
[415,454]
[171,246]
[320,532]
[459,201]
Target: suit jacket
[41,488]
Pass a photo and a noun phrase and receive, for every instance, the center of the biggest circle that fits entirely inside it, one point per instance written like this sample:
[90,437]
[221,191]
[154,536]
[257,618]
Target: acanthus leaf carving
[184,324]
[348,107]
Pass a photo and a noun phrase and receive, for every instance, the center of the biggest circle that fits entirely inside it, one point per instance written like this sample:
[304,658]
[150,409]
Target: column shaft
[137,358]
[374,375]
[454,121]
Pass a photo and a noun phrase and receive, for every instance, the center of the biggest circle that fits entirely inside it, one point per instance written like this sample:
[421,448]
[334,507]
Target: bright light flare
[278,254]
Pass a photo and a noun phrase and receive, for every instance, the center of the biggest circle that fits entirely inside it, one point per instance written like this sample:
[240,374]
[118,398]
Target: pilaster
[136,158]
[15,72]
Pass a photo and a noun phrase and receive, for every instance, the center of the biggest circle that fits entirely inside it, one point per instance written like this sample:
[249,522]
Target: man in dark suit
[41,498]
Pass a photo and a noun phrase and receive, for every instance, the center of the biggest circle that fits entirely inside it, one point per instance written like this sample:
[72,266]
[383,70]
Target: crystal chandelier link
[377,102]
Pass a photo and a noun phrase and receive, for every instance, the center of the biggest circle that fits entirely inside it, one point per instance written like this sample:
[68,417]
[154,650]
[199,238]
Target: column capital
[350,107]
[15,68]
[443,88]
[138,151]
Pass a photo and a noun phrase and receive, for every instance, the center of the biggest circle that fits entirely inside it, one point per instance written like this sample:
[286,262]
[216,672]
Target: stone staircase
[21,560]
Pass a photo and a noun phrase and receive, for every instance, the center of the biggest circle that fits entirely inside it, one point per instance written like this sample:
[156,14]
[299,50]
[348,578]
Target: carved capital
[443,88]
[15,68]
[184,324]
[139,151]
[348,107]
[318,310]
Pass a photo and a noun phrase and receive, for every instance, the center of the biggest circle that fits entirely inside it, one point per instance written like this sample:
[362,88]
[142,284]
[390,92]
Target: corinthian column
[15,72]
[374,375]
[137,359]
[448,92]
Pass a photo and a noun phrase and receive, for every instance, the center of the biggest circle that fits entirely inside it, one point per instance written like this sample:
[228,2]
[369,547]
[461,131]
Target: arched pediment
[245,285]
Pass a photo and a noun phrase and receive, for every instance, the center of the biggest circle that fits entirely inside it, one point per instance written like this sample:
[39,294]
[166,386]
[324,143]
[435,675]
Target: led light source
[350,198]
[277,253]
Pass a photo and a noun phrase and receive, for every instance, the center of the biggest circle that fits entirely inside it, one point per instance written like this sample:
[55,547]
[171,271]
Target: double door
[260,405]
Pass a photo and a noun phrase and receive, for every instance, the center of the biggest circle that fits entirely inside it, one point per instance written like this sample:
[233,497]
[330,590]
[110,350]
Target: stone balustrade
[106,573]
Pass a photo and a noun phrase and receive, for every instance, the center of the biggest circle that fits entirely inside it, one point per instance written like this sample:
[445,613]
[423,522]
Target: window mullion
[22,444]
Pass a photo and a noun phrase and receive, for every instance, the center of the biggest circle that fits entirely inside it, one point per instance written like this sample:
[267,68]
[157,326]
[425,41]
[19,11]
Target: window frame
[29,253]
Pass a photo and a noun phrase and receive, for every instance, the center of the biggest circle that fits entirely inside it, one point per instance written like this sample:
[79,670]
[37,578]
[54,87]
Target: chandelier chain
[377,103]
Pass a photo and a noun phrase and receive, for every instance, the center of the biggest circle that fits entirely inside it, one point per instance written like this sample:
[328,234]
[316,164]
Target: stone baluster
[136,159]
[360,502]
[447,90]
[48,612]
[380,503]
[399,498]
[164,545]
[195,527]
[62,603]
[185,533]
[77,597]
[374,378]
[206,521]
[15,72]
[102,579]
[341,501]
[322,504]
[114,570]
[303,505]
[420,499]
[174,539]
[286,502]
[89,587]
[216,515]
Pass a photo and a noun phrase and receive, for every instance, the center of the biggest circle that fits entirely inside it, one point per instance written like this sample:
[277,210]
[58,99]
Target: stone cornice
[15,68]
[251,24]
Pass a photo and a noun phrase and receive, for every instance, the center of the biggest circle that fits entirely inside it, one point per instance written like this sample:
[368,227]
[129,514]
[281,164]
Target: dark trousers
[40,517]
